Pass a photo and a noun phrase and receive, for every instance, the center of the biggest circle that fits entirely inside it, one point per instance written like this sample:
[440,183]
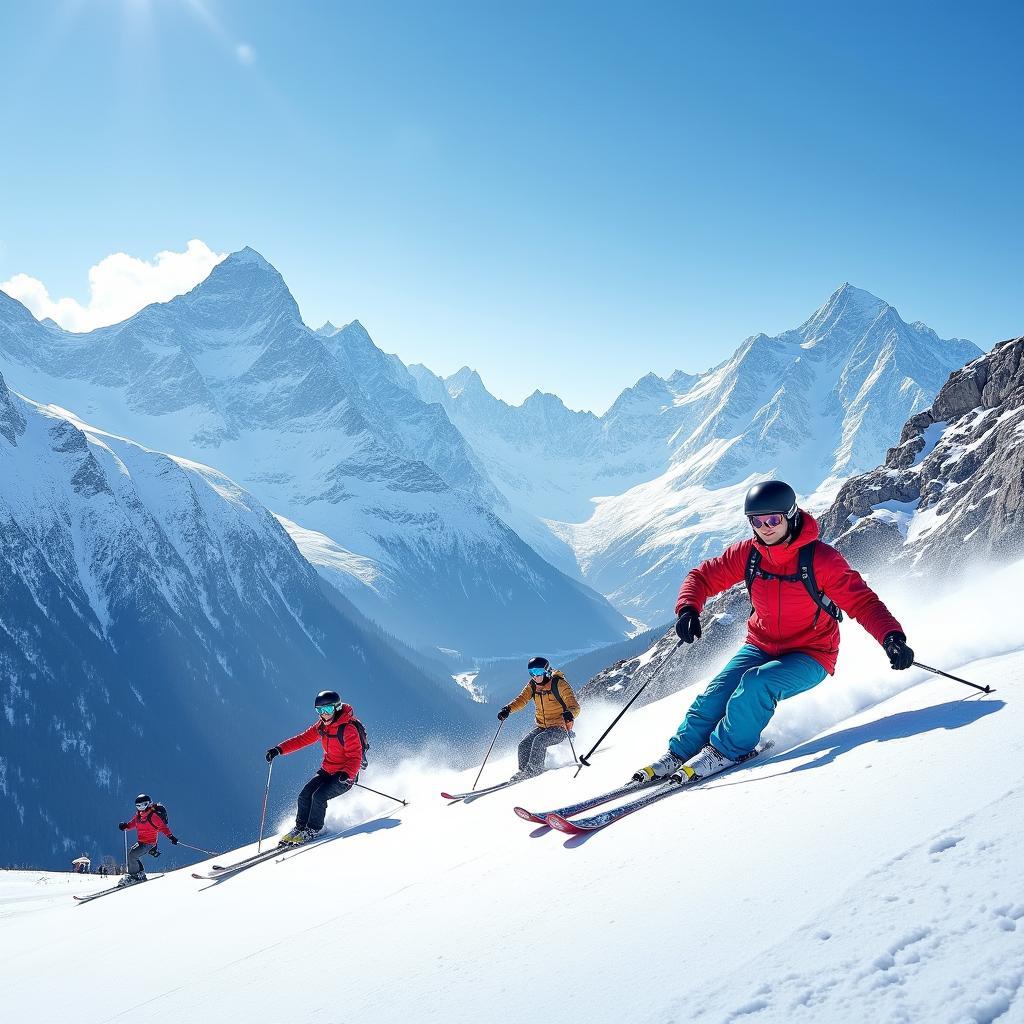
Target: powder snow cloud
[119,286]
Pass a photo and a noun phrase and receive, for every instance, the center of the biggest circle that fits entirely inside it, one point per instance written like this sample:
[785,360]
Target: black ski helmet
[326,697]
[770,496]
[143,798]
[535,663]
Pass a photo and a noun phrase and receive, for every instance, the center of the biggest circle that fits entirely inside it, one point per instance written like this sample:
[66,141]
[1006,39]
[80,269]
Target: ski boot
[132,879]
[297,836]
[666,765]
[708,762]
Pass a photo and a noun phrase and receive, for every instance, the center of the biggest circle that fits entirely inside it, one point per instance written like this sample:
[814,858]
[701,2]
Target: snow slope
[871,869]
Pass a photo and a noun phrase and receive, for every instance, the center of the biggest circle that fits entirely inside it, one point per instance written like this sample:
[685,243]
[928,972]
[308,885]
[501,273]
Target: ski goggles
[326,709]
[141,805]
[773,520]
[537,672]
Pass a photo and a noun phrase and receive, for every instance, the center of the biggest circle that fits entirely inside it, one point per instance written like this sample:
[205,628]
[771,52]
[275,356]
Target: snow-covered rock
[951,493]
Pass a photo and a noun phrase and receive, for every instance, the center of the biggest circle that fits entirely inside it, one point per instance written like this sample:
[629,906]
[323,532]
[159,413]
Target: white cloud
[119,286]
[245,53]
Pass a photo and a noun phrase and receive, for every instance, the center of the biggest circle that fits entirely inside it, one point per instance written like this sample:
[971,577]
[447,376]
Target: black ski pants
[135,855]
[314,796]
[534,746]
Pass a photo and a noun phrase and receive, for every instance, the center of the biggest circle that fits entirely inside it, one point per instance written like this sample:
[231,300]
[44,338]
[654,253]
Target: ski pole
[397,799]
[199,849]
[939,672]
[583,762]
[263,816]
[126,850]
[487,755]
[572,746]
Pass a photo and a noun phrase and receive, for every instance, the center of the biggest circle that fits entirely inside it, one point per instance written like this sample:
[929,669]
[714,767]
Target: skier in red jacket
[149,824]
[799,587]
[343,755]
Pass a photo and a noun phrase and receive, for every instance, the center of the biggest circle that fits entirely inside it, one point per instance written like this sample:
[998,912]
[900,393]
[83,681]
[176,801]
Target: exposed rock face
[951,491]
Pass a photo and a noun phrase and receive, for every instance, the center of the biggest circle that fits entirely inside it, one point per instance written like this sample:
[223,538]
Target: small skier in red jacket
[149,824]
[343,755]
[792,635]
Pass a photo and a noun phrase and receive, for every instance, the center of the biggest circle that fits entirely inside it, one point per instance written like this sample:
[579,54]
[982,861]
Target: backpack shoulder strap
[558,696]
[824,603]
[753,564]
[364,743]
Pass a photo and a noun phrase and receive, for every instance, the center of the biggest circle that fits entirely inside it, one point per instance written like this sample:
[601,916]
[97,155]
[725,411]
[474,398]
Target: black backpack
[363,740]
[804,575]
[159,810]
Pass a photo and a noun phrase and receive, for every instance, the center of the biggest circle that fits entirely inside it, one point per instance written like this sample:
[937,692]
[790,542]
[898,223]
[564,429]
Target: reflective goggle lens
[325,709]
[537,672]
[758,521]
[142,805]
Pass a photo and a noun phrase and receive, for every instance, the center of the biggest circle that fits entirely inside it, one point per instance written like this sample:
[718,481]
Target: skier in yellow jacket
[556,711]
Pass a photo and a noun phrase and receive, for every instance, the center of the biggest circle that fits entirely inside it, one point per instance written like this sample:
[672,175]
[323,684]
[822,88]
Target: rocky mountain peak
[847,311]
[241,289]
[464,380]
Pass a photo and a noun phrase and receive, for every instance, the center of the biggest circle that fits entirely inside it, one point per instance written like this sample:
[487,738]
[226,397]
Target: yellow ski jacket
[551,702]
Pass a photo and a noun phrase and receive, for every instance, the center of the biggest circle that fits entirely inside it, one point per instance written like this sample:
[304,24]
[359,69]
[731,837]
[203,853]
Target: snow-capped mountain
[158,630]
[951,493]
[330,433]
[813,405]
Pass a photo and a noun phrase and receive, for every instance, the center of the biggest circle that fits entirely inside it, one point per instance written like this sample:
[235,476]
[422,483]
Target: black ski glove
[272,753]
[504,713]
[154,852]
[342,776]
[688,625]
[566,716]
[900,655]
[173,840]
[123,826]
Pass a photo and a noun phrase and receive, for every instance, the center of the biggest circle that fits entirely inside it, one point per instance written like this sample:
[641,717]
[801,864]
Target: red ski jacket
[149,825]
[343,750]
[781,622]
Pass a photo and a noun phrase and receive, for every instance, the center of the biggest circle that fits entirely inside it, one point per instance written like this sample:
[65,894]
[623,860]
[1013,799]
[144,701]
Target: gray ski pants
[135,855]
[534,745]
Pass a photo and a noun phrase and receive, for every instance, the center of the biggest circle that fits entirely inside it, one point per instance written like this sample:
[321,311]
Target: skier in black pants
[341,738]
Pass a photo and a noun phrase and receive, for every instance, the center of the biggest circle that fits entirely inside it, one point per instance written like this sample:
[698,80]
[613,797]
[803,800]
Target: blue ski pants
[739,702]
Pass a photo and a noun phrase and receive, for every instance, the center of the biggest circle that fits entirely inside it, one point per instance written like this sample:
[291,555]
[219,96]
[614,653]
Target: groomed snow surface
[871,870]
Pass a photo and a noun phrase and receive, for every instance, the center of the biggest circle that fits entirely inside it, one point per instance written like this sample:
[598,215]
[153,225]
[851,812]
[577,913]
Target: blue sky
[561,195]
